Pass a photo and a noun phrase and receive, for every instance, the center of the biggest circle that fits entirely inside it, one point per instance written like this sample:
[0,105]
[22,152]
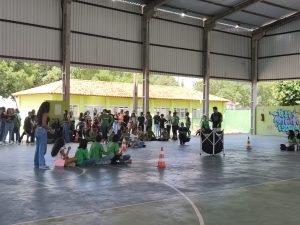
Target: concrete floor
[260,187]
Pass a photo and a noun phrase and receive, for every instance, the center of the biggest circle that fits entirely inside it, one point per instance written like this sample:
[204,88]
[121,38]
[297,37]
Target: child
[97,151]
[113,148]
[82,155]
[183,132]
[61,158]
[292,142]
[150,136]
[164,135]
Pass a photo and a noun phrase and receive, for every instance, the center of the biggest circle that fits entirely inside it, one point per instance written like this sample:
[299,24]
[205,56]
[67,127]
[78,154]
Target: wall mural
[285,120]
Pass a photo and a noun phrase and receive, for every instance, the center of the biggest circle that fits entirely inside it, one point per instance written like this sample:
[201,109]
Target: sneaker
[44,168]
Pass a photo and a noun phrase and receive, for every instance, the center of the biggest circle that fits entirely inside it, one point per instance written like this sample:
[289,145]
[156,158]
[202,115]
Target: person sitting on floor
[292,142]
[98,153]
[82,154]
[150,136]
[114,148]
[164,135]
[135,142]
[61,155]
[183,134]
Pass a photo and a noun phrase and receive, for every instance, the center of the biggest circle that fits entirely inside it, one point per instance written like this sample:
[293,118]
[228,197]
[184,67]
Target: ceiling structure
[248,14]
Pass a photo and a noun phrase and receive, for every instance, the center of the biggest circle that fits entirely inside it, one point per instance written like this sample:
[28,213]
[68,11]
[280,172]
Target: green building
[99,95]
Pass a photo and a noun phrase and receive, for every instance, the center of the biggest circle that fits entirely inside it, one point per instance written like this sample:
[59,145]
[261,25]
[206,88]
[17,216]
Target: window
[181,112]
[93,108]
[116,109]
[75,110]
[162,110]
[197,113]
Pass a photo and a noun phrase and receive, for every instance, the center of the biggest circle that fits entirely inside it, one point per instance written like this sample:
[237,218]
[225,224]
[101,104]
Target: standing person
[175,122]
[2,123]
[156,119]
[34,121]
[66,127]
[28,126]
[132,124]
[141,121]
[148,122]
[169,122]
[188,123]
[162,122]
[41,136]
[17,125]
[105,124]
[9,126]
[216,118]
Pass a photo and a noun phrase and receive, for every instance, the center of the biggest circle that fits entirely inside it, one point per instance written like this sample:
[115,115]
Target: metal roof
[251,14]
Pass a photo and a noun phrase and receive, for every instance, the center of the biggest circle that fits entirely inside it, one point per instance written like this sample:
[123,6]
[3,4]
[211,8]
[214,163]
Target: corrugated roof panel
[294,4]
[46,12]
[174,34]
[29,42]
[106,22]
[230,67]
[279,44]
[230,44]
[278,68]
[267,10]
[248,18]
[175,61]
[293,26]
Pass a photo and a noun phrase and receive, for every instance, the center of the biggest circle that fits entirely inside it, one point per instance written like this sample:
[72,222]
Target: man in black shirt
[183,131]
[141,121]
[216,118]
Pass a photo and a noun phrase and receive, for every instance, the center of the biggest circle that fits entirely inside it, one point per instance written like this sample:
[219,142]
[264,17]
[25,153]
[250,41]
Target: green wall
[237,121]
[277,120]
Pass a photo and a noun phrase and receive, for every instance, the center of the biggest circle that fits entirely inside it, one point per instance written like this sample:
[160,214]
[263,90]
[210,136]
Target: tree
[238,92]
[265,94]
[287,93]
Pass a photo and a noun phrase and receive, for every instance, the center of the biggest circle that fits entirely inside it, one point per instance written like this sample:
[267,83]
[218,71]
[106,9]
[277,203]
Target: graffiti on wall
[285,120]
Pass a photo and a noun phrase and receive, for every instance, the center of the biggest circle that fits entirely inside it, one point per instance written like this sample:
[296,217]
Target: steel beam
[210,23]
[254,78]
[149,9]
[206,70]
[259,33]
[146,61]
[66,50]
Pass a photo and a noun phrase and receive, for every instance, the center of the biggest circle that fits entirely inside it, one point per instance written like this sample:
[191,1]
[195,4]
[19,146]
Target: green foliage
[238,92]
[287,93]
[17,76]
[265,94]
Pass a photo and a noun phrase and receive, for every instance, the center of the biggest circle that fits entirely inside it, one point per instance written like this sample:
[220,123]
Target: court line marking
[148,202]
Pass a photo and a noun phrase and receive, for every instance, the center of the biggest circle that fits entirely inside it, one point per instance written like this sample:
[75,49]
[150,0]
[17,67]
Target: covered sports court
[246,40]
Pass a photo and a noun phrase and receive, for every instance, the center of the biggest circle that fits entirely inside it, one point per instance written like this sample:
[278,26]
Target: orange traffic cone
[161,161]
[123,146]
[248,145]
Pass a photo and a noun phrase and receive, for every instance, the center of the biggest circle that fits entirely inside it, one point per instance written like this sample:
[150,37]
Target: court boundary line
[153,201]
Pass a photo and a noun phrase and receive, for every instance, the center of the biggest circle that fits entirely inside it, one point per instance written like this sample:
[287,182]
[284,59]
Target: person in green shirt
[205,125]
[82,155]
[98,153]
[175,122]
[105,124]
[114,148]
[292,142]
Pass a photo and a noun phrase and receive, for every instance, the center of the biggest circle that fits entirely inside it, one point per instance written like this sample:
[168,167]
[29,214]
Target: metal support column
[146,65]
[135,93]
[254,76]
[206,70]
[66,53]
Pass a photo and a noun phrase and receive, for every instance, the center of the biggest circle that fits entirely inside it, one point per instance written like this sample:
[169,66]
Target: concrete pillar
[206,70]
[146,61]
[254,77]
[66,52]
